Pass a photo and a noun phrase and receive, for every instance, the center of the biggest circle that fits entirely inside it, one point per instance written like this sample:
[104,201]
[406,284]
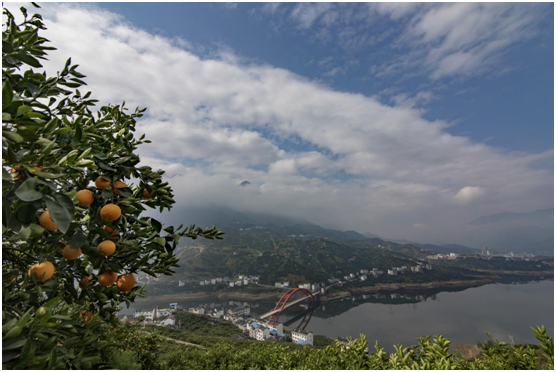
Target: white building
[213,281]
[202,282]
[245,281]
[168,322]
[275,326]
[302,337]
[231,284]
[218,280]
[181,283]
[262,333]
[363,278]
[364,271]
[148,314]
[392,272]
[240,311]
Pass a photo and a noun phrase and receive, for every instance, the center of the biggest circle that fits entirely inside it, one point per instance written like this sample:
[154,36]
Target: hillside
[276,257]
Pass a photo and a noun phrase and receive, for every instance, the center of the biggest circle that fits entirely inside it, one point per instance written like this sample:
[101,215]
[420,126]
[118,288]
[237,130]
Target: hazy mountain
[541,214]
[371,235]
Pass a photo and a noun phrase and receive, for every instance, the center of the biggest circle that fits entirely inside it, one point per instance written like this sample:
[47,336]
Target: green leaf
[25,58]
[23,109]
[66,202]
[26,214]
[27,191]
[78,240]
[5,175]
[156,225]
[59,215]
[36,230]
[7,93]
[48,175]
[12,136]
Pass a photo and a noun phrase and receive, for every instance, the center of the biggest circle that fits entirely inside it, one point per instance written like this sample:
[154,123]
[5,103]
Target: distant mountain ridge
[511,216]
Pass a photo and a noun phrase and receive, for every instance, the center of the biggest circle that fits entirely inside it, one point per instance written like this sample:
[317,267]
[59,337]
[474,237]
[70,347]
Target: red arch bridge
[287,301]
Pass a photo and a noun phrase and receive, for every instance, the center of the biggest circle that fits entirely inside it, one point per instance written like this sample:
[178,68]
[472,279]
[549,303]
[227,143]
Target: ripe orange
[71,254]
[107,278]
[47,222]
[106,248]
[43,270]
[118,185]
[147,194]
[101,183]
[85,197]
[113,232]
[110,212]
[126,282]
[84,282]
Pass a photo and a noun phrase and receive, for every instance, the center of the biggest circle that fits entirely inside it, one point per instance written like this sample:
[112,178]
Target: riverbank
[345,292]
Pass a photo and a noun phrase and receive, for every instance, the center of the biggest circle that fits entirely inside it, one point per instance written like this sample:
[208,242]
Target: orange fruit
[101,183]
[107,278]
[85,197]
[84,282]
[43,270]
[126,282]
[71,254]
[110,212]
[113,232]
[147,194]
[47,222]
[118,185]
[106,248]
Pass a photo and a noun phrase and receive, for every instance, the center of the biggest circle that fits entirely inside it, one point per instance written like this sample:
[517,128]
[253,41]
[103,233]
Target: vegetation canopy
[73,195]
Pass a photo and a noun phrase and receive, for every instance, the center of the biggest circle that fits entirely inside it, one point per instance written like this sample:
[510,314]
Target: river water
[463,316]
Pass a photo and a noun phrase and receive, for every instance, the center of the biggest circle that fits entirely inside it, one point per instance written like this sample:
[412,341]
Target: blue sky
[403,119]
[510,105]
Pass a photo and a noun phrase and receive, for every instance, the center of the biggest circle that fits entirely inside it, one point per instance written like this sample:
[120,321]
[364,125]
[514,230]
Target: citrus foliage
[63,251]
[427,354]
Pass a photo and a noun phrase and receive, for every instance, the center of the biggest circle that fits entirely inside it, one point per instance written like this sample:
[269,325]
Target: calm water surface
[502,309]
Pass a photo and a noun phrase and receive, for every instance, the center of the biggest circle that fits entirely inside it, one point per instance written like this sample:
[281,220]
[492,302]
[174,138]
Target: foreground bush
[427,354]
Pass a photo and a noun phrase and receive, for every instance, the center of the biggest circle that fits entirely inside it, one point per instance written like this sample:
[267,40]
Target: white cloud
[305,14]
[326,156]
[469,193]
[462,39]
[434,39]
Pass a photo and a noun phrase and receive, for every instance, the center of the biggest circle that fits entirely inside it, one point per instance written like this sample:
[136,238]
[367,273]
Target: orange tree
[74,239]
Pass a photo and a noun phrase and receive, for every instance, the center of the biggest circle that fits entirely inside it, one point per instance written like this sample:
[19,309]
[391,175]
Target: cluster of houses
[259,329]
[268,330]
[315,287]
[363,274]
[234,282]
[160,317]
[444,256]
[282,284]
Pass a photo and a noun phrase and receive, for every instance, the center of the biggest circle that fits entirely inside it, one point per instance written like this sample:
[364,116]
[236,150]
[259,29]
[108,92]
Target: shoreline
[346,292]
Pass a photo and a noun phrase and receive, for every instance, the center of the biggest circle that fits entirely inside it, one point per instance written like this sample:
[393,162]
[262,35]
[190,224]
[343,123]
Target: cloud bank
[334,158]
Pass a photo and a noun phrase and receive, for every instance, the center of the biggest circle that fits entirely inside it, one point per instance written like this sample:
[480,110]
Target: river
[463,316]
